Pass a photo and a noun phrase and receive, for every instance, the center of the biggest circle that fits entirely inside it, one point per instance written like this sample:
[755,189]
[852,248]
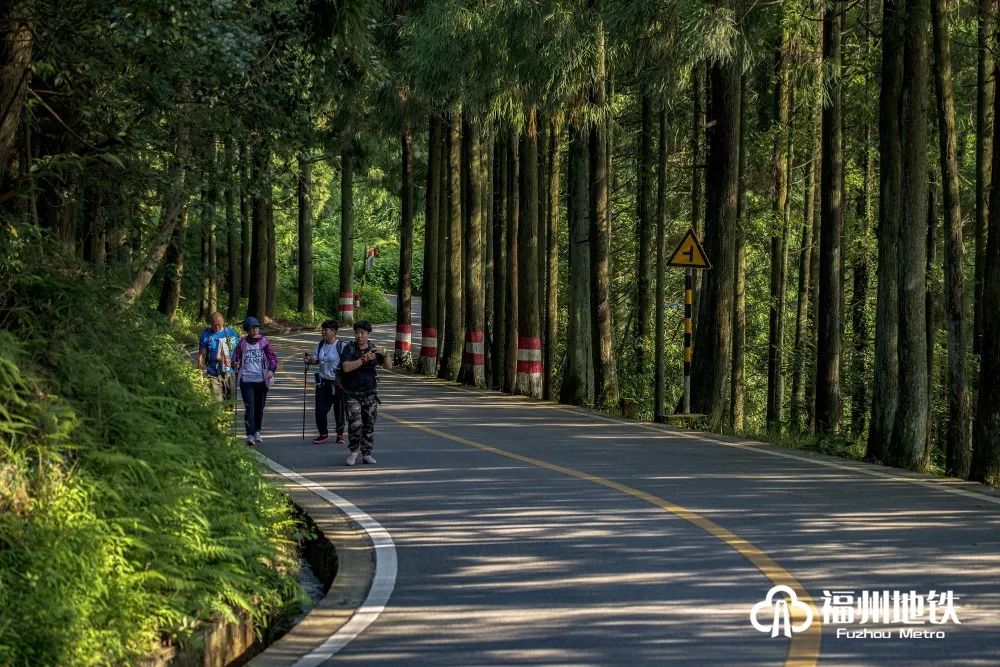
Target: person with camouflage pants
[359,362]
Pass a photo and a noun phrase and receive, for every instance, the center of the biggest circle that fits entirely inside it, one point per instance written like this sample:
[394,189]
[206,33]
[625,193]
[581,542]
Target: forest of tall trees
[530,164]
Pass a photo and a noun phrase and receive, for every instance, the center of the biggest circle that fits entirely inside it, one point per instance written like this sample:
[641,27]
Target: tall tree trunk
[859,305]
[271,303]
[56,203]
[541,146]
[174,204]
[345,302]
[233,277]
[713,334]
[95,234]
[170,292]
[209,209]
[305,302]
[214,200]
[16,41]
[985,465]
[779,252]
[910,427]
[577,384]
[814,257]
[258,250]
[451,360]
[444,238]
[474,366]
[551,308]
[886,382]
[805,307]
[404,289]
[432,227]
[529,344]
[645,226]
[486,204]
[698,86]
[207,248]
[985,86]
[602,330]
[829,314]
[246,218]
[697,132]
[737,378]
[500,324]
[930,327]
[957,433]
[659,362]
[513,265]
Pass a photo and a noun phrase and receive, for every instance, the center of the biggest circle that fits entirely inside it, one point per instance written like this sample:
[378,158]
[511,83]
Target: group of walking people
[249,363]
[346,379]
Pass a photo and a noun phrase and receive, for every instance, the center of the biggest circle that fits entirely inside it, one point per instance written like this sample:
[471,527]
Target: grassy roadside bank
[127,515]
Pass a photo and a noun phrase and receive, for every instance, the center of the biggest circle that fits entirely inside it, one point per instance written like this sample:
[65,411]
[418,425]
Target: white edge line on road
[385,570]
[759,447]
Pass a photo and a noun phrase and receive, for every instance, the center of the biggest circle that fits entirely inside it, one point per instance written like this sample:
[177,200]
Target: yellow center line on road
[804,647]
[803,650]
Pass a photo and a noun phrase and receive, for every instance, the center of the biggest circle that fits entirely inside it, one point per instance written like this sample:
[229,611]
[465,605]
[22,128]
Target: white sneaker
[251,440]
[352,458]
[257,439]
[368,458]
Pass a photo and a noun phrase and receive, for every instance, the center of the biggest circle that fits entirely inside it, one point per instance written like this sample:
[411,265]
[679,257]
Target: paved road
[528,533]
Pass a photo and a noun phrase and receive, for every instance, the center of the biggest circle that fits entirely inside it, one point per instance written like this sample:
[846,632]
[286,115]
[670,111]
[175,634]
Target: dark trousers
[329,395]
[254,395]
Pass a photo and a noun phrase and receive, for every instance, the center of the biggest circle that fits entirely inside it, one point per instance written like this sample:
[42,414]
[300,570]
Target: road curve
[530,533]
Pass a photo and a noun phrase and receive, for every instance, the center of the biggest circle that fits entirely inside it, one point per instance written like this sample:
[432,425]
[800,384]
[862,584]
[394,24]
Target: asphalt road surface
[531,533]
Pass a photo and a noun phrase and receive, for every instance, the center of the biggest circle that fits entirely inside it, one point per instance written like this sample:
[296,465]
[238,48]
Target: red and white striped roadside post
[529,360]
[345,307]
[475,354]
[689,255]
[429,348]
[403,342]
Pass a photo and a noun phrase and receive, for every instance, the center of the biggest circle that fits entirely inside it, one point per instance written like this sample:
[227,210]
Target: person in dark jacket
[359,363]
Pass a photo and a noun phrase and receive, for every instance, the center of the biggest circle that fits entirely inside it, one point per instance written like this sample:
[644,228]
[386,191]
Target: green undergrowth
[835,445]
[128,514]
[375,307]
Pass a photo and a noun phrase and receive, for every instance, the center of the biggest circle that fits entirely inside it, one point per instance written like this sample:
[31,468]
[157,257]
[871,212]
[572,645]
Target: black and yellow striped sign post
[690,255]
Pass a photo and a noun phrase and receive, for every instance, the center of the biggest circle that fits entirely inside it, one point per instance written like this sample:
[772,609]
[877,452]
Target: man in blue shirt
[215,348]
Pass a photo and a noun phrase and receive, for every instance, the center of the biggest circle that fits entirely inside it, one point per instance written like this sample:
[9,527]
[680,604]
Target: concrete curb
[355,572]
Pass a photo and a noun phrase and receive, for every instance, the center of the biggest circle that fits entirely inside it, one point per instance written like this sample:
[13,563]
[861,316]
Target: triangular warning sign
[689,253]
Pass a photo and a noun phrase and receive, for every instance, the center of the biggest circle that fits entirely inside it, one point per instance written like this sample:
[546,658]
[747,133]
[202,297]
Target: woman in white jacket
[329,392]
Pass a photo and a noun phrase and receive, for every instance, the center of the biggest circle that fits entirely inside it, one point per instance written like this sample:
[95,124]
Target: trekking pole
[236,408]
[230,378]
[305,386]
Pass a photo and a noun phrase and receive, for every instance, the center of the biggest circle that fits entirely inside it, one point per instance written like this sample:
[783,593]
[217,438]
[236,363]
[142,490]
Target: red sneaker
[321,439]
[340,438]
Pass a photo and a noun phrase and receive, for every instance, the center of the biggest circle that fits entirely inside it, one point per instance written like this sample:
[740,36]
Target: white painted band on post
[475,348]
[527,354]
